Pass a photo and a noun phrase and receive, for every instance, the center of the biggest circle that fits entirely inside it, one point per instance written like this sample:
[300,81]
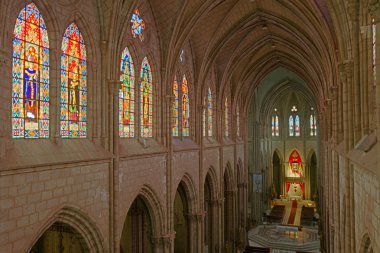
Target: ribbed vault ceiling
[245,40]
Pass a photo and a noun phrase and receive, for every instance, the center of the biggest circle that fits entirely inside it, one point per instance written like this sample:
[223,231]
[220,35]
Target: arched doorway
[276,163]
[181,222]
[313,175]
[60,238]
[137,230]
[229,228]
[208,222]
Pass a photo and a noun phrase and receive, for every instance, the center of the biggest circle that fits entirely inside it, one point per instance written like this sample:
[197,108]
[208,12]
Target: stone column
[217,240]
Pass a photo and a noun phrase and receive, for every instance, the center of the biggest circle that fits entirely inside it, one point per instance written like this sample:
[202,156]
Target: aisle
[293,212]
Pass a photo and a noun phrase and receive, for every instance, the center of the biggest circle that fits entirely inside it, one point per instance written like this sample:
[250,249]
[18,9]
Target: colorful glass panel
[273,126]
[297,126]
[209,112]
[374,51]
[127,96]
[277,126]
[175,124]
[146,100]
[238,121]
[185,108]
[73,84]
[313,125]
[204,122]
[226,118]
[30,72]
[291,126]
[137,25]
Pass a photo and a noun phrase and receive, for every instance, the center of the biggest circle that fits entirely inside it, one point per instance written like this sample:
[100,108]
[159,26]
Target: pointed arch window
[237,121]
[30,75]
[275,124]
[185,108]
[209,112]
[204,118]
[226,118]
[291,125]
[297,126]
[175,125]
[73,84]
[373,24]
[313,124]
[294,122]
[127,96]
[146,100]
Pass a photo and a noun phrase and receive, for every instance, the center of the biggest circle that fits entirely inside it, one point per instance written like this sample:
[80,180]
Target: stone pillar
[195,228]
[346,69]
[216,224]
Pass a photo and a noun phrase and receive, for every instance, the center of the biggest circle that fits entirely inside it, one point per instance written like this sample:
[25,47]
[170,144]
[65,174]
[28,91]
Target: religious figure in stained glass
[137,25]
[185,108]
[291,126]
[313,125]
[275,126]
[127,96]
[209,112]
[175,109]
[297,126]
[30,84]
[146,91]
[73,84]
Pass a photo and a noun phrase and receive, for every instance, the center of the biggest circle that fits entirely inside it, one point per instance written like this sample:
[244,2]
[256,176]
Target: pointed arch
[127,96]
[81,223]
[211,177]
[73,84]
[366,245]
[190,192]
[30,72]
[146,100]
[185,108]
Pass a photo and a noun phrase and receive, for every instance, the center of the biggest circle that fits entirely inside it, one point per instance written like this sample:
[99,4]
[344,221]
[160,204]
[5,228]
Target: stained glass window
[237,121]
[204,119]
[127,96]
[277,126]
[73,84]
[175,125]
[209,112]
[313,125]
[291,126]
[226,118]
[30,76]
[297,126]
[374,51]
[146,100]
[137,25]
[185,108]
